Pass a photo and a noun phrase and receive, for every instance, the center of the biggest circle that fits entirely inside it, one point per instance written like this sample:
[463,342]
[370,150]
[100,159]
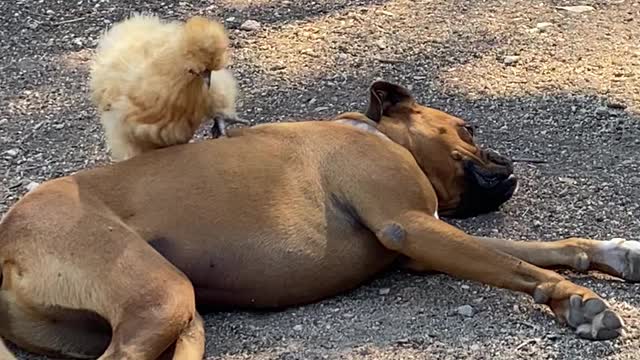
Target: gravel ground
[571,98]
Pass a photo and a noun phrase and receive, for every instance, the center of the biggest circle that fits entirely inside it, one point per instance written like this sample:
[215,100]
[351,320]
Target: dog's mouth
[486,187]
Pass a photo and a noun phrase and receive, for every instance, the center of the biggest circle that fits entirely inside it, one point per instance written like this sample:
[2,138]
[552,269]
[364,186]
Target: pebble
[602,110]
[543,26]
[3,121]
[568,180]
[510,60]
[466,310]
[297,328]
[610,105]
[12,152]
[384,291]
[250,25]
[578,9]
[465,287]
[309,52]
[278,67]
[475,347]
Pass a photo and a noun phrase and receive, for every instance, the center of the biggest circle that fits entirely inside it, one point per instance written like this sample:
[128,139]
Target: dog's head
[468,179]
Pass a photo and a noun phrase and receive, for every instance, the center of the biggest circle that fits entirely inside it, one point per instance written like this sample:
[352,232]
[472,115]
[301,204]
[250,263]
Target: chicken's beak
[206,77]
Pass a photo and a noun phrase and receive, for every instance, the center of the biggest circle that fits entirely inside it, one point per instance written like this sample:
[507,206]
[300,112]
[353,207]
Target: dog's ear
[383,96]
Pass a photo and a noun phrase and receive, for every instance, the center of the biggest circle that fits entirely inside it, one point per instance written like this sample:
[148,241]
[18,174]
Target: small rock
[553,337]
[380,43]
[616,105]
[79,41]
[466,310]
[309,52]
[278,67]
[475,347]
[465,287]
[384,291]
[568,180]
[12,152]
[297,328]
[510,60]
[250,25]
[343,56]
[537,223]
[543,26]
[602,110]
[230,19]
[32,185]
[578,9]
[3,121]
[58,126]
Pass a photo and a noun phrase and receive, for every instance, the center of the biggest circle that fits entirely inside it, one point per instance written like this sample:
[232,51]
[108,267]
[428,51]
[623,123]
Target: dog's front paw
[619,257]
[581,309]
[593,319]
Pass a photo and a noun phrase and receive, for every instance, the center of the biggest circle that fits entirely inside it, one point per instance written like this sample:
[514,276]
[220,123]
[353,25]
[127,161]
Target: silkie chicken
[151,81]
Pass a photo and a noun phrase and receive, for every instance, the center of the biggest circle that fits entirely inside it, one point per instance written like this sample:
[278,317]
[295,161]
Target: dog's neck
[360,122]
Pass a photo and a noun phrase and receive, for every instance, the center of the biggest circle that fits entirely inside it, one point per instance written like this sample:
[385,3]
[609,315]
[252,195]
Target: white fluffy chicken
[154,82]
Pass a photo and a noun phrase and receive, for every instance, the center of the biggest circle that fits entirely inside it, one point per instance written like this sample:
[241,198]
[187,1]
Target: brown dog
[111,261]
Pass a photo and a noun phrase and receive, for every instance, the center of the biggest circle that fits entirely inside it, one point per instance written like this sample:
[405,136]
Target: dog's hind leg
[155,310]
[50,331]
[84,259]
[190,344]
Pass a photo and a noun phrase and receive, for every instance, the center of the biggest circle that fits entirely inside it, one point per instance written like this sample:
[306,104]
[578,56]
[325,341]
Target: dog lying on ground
[112,261]
[155,82]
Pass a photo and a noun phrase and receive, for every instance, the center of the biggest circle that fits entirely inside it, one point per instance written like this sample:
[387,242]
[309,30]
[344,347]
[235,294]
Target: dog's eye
[470,129]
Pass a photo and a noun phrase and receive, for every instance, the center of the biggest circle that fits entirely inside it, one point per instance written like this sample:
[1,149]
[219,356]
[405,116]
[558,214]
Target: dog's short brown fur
[111,261]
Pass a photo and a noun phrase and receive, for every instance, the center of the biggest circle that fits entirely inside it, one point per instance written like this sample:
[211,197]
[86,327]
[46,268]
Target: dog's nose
[496,158]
